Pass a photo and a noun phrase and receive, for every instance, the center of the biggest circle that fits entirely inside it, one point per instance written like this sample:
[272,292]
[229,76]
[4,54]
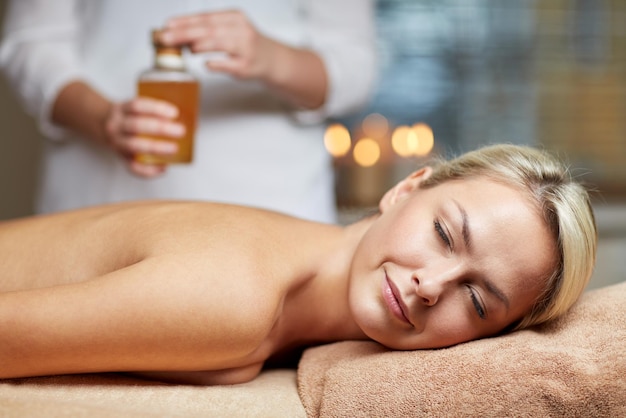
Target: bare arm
[215,377]
[82,109]
[158,314]
[296,74]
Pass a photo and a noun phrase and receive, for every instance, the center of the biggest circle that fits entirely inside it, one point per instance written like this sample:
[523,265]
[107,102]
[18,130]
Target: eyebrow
[494,290]
[467,239]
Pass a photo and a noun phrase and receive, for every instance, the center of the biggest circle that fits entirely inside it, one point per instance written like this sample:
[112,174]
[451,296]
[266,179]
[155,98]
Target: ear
[401,190]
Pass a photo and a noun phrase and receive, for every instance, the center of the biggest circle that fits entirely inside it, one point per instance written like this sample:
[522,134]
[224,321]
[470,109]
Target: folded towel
[572,367]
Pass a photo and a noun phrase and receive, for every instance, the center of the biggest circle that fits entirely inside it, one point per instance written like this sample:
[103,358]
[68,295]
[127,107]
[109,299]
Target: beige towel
[574,367]
[272,394]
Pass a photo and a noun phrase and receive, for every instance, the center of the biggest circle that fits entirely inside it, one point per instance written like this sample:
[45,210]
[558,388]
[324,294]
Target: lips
[394,302]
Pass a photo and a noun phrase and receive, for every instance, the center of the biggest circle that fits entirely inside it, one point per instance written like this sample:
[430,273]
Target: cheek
[392,233]
[447,331]
[444,326]
[441,328]
[361,296]
[367,312]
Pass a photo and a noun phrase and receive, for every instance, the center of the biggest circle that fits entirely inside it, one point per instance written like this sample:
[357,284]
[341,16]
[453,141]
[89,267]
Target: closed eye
[442,233]
[477,304]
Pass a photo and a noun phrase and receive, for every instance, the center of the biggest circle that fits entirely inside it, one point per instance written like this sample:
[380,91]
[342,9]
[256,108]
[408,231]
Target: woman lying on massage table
[497,239]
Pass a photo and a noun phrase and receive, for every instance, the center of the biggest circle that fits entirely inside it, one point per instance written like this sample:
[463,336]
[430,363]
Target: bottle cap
[164,49]
[155,34]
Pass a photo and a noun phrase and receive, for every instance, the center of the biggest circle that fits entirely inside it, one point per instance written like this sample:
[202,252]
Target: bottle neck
[169,58]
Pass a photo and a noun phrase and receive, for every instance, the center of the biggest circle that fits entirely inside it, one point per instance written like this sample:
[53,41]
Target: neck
[169,59]
[319,311]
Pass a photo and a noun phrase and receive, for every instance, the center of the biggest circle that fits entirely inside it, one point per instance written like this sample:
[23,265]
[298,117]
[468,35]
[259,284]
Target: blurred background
[454,75]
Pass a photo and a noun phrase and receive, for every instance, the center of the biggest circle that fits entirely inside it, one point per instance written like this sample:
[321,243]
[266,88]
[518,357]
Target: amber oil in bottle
[169,80]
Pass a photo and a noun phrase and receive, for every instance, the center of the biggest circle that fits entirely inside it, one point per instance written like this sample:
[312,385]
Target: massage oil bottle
[169,80]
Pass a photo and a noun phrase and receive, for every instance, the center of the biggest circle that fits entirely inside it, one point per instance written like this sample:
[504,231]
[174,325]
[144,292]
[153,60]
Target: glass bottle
[169,80]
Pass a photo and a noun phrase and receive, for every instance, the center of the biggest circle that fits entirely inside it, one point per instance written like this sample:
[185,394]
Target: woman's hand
[129,126]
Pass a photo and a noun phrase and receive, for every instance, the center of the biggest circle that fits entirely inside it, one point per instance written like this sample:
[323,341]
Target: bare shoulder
[77,245]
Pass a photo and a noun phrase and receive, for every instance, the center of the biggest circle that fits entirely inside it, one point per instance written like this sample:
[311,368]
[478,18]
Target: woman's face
[453,263]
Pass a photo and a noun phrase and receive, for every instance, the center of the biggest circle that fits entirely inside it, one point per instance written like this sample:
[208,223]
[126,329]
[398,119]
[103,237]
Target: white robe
[251,148]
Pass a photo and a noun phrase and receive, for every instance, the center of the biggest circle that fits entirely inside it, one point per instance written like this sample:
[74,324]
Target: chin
[412,342]
[380,333]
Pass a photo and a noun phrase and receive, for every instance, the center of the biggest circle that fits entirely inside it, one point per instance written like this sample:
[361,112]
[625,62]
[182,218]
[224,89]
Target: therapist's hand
[247,52]
[297,75]
[125,127]
[129,126]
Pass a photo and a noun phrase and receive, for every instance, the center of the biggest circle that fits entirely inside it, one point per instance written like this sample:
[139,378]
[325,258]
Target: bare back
[191,286]
[76,246]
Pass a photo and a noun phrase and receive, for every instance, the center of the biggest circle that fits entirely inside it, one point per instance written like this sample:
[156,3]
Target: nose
[430,286]
[428,291]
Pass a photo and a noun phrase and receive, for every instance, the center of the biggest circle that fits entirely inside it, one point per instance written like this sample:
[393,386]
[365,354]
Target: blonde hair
[563,203]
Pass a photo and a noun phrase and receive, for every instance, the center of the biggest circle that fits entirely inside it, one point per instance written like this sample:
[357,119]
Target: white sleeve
[38,55]
[343,33]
